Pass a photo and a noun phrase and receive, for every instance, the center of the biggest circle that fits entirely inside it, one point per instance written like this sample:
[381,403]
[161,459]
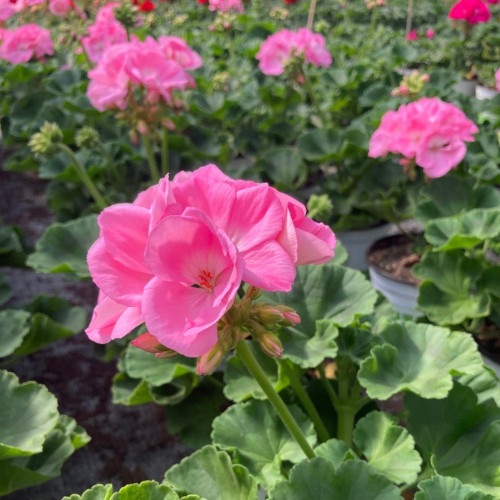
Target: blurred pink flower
[430,33]
[428,130]
[412,35]
[472,11]
[226,5]
[24,43]
[60,8]
[102,35]
[497,78]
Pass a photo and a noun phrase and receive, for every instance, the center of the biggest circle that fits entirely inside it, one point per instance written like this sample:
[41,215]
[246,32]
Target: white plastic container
[358,241]
[467,87]
[483,93]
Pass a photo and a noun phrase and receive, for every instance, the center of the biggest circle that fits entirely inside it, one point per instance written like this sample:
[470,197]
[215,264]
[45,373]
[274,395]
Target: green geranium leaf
[460,436]
[389,448]
[97,492]
[5,291]
[464,231]
[147,490]
[285,168]
[341,254]
[14,326]
[335,451]
[240,385]
[440,488]
[356,343]
[484,383]
[129,391]
[419,358]
[259,439]
[331,293]
[319,480]
[27,414]
[155,371]
[192,418]
[320,144]
[210,473]
[63,247]
[449,293]
[71,429]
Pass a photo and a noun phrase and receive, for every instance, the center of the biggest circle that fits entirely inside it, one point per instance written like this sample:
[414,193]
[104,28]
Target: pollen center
[206,280]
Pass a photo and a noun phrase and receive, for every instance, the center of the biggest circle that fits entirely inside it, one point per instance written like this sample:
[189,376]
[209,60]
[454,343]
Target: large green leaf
[319,480]
[389,448]
[442,488]
[329,292]
[210,474]
[484,383]
[449,294]
[259,439]
[240,385]
[335,451]
[465,230]
[419,358]
[14,326]
[320,145]
[285,168]
[63,247]
[27,414]
[147,490]
[460,436]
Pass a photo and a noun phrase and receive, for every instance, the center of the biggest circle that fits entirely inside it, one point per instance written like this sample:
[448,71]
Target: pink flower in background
[226,5]
[472,11]
[494,2]
[430,33]
[176,257]
[106,13]
[60,8]
[102,35]
[497,78]
[8,8]
[280,47]
[176,49]
[412,35]
[430,131]
[24,43]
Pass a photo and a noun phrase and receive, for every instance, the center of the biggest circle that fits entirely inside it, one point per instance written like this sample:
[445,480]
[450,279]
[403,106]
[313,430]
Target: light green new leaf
[419,358]
[210,474]
[63,247]
[328,292]
[335,451]
[319,480]
[240,385]
[129,391]
[97,492]
[27,414]
[14,326]
[259,439]
[465,230]
[147,490]
[441,488]
[389,448]
[449,293]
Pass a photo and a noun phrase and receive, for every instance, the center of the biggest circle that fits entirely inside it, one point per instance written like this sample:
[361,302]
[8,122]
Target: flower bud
[271,344]
[208,362]
[87,137]
[292,317]
[142,127]
[269,315]
[126,14]
[150,343]
[44,142]
[319,207]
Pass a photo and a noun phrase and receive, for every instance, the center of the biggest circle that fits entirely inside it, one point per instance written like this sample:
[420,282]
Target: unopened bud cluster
[411,85]
[126,14]
[319,207]
[87,137]
[45,142]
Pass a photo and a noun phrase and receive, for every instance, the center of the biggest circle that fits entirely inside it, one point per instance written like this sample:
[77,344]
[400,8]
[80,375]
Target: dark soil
[394,257]
[129,444]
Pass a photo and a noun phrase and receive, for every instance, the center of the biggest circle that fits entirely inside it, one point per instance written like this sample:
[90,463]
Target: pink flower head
[472,11]
[24,43]
[176,257]
[176,49]
[278,48]
[8,8]
[102,35]
[494,2]
[412,35]
[430,33]
[428,130]
[60,8]
[226,5]
[497,78]
[106,13]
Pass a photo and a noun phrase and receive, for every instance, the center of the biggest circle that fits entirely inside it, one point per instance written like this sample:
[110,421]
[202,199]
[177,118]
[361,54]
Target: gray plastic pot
[467,87]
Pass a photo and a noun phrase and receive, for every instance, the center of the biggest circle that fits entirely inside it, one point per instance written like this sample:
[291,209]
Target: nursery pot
[466,87]
[357,242]
[389,264]
[483,93]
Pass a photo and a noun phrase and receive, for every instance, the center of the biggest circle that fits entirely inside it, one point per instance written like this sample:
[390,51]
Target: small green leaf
[285,168]
[389,448]
[419,358]
[64,246]
[259,439]
[129,391]
[335,451]
[97,492]
[442,488]
[320,144]
[14,326]
[210,474]
[147,490]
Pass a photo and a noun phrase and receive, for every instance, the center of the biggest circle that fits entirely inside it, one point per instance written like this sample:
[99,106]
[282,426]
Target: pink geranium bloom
[226,5]
[25,43]
[430,131]
[430,33]
[176,256]
[8,7]
[280,47]
[497,78]
[176,49]
[412,35]
[472,11]
[102,35]
[60,8]
[106,13]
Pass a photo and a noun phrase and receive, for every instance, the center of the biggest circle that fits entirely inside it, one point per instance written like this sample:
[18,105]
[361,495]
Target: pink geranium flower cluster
[9,8]
[159,67]
[176,256]
[430,131]
[25,43]
[471,11]
[226,5]
[282,46]
[104,33]
[61,8]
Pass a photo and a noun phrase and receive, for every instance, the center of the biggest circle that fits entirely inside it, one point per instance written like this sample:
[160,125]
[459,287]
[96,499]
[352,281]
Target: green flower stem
[294,377]
[310,93]
[153,167]
[345,423]
[256,371]
[409,16]
[164,151]
[110,162]
[84,177]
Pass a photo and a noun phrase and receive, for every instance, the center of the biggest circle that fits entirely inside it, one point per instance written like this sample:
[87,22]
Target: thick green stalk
[164,151]
[256,371]
[345,423]
[84,177]
[153,167]
[294,377]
